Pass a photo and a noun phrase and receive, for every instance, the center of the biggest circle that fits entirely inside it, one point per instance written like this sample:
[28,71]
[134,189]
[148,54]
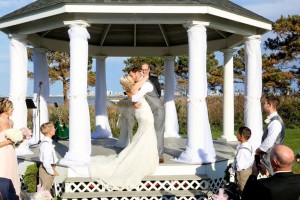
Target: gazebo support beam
[104,34]
[102,127]
[253,89]
[164,34]
[79,117]
[171,120]
[199,147]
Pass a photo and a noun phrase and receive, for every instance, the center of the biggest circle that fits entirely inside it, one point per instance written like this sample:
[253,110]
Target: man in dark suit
[7,189]
[283,185]
[154,80]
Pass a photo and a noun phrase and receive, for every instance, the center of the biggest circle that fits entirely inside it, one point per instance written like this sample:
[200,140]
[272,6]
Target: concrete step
[147,178]
[182,194]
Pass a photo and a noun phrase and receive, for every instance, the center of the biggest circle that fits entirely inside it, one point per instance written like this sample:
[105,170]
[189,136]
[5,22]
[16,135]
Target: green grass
[292,140]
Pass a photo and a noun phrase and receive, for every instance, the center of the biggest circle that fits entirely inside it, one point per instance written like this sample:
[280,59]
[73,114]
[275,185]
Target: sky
[270,9]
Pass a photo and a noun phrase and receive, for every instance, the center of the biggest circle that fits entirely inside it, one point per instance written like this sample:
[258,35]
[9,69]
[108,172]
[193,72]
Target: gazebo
[112,28]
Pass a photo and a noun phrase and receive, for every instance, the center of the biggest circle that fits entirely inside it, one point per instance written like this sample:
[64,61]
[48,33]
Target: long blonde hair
[126,82]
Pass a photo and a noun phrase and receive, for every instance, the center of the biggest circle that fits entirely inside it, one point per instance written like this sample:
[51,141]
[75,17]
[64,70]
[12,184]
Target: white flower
[267,121]
[15,135]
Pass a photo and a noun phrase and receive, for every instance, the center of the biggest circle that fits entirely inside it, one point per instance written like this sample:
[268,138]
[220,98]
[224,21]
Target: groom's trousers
[159,125]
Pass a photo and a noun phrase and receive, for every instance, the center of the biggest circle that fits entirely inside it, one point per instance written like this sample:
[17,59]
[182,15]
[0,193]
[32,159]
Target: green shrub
[31,178]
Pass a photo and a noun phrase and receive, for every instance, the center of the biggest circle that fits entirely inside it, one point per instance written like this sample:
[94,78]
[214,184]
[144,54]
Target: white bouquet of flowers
[15,135]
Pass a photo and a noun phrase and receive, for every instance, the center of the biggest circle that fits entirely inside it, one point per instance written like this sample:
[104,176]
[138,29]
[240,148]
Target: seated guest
[284,184]
[7,190]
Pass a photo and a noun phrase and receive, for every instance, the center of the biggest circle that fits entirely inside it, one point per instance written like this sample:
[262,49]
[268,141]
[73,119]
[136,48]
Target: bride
[139,158]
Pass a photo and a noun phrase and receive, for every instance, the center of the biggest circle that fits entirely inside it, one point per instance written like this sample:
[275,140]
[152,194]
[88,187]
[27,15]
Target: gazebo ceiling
[132,27]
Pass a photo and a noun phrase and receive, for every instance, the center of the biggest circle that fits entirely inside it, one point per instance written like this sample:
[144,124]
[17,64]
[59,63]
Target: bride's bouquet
[26,132]
[17,135]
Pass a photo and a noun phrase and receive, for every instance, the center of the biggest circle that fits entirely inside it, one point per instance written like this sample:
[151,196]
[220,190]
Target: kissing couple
[142,156]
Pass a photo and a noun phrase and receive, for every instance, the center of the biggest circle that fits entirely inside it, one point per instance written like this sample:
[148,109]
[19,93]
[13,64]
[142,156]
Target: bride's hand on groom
[137,105]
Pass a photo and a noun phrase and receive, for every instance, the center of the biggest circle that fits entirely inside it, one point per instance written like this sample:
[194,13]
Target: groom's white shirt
[147,87]
[274,128]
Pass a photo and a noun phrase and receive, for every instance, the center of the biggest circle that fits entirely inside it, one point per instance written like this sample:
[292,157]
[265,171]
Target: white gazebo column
[171,120]
[102,127]
[40,91]
[79,117]
[228,97]
[18,79]
[199,147]
[253,89]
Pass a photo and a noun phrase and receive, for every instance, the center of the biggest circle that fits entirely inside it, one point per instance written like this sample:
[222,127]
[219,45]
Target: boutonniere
[267,121]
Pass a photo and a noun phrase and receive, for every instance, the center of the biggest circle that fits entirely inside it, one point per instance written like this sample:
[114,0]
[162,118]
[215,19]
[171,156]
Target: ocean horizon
[91,99]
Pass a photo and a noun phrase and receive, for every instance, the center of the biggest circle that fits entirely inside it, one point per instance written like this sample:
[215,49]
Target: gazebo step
[124,195]
[146,178]
[149,183]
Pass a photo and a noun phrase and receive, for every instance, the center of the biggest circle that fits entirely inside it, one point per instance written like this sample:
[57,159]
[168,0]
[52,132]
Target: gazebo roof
[134,27]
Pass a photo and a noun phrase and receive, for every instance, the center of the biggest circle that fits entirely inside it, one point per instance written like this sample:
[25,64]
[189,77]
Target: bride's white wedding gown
[137,160]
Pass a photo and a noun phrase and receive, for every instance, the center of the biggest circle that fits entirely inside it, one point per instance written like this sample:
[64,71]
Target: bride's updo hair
[126,82]
[5,104]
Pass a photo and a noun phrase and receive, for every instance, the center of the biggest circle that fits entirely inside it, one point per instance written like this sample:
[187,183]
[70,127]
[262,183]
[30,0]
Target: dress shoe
[161,160]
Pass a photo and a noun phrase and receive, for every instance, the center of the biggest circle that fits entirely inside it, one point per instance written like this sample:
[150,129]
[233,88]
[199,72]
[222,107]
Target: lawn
[292,140]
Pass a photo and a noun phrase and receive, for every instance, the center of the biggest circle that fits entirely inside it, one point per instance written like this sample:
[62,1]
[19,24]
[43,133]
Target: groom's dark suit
[7,189]
[280,186]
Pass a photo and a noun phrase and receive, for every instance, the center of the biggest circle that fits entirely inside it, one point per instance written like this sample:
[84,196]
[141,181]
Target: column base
[172,134]
[76,161]
[196,156]
[226,138]
[79,172]
[100,134]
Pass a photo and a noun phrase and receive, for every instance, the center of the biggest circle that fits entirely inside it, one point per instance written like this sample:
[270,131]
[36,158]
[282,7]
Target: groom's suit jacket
[156,84]
[280,186]
[158,111]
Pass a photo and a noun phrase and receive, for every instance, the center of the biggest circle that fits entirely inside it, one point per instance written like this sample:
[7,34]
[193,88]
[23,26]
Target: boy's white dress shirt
[47,155]
[244,158]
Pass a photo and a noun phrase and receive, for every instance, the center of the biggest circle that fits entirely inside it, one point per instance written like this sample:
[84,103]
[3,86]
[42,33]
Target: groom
[156,105]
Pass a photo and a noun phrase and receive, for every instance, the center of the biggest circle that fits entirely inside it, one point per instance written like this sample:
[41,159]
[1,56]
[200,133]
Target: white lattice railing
[157,185]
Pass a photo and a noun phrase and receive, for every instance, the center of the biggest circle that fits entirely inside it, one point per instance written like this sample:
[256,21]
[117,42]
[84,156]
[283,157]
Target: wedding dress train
[137,160]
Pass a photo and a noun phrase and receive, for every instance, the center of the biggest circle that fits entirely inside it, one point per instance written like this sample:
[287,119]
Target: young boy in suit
[48,156]
[244,157]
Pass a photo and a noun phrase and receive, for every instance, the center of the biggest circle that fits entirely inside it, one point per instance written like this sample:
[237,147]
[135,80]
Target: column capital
[22,38]
[169,57]
[100,57]
[80,23]
[228,51]
[191,24]
[252,37]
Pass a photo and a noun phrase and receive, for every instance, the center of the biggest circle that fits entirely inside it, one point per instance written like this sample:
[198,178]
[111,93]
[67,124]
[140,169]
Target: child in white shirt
[48,156]
[244,157]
